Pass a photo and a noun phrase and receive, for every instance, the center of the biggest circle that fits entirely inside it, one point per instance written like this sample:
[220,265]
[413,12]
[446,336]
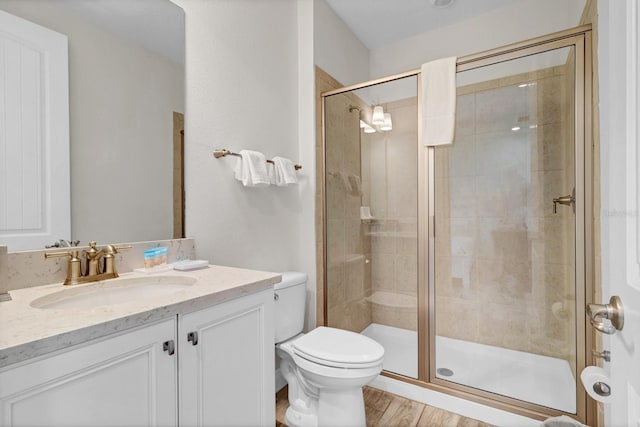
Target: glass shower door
[505,233]
[371,209]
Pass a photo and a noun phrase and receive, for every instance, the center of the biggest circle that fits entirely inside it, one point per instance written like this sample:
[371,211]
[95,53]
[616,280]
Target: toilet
[325,368]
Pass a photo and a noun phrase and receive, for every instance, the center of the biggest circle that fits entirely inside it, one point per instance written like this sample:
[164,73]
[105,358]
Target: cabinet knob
[169,347]
[193,338]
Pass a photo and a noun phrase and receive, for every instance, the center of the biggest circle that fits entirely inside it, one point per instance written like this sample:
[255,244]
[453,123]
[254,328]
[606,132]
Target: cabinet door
[126,380]
[227,377]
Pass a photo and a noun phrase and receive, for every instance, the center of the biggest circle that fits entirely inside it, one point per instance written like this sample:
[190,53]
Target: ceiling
[380,22]
[158,25]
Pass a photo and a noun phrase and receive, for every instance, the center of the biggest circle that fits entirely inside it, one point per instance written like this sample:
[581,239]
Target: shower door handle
[564,200]
[613,311]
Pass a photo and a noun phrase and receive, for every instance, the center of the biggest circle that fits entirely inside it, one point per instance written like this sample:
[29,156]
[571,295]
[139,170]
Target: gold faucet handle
[72,254]
[117,249]
[109,258]
[73,271]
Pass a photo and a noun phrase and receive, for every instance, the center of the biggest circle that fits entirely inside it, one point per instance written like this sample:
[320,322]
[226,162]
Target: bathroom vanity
[198,351]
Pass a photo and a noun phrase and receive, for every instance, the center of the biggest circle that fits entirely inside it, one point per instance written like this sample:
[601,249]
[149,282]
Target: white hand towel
[439,101]
[251,169]
[285,171]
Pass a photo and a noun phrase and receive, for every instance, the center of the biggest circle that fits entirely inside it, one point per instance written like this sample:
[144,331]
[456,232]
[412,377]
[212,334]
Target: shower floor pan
[541,380]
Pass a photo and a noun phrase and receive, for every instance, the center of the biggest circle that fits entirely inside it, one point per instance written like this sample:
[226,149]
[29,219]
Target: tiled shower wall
[504,260]
[390,176]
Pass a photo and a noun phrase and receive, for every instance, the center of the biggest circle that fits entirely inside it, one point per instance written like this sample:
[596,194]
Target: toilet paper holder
[602,389]
[613,311]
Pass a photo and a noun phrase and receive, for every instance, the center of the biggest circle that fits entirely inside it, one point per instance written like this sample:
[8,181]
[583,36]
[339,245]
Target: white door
[619,64]
[34,135]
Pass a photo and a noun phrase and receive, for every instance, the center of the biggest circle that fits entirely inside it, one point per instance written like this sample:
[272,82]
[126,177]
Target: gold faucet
[94,270]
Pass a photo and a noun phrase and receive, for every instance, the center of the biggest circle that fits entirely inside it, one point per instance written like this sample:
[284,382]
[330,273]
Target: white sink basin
[116,291]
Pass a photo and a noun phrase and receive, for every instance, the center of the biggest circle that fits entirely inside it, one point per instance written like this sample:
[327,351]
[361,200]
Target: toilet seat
[338,348]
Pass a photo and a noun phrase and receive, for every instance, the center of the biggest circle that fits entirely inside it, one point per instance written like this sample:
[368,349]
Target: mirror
[126,100]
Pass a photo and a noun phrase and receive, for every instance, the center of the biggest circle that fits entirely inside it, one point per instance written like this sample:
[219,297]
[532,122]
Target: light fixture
[378,115]
[386,124]
[368,129]
[515,128]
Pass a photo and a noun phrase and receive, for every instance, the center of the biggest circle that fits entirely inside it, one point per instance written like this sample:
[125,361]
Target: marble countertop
[27,332]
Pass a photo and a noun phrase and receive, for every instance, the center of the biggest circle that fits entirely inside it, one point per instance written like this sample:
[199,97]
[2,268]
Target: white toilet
[325,368]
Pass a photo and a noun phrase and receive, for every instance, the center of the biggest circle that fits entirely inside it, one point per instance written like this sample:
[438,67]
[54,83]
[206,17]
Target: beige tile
[336,284]
[461,197]
[462,157]
[335,241]
[465,115]
[551,104]
[354,286]
[406,274]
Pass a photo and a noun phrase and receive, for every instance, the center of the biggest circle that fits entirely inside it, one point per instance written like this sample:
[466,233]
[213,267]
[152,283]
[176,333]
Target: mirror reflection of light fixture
[386,124]
[363,124]
[378,115]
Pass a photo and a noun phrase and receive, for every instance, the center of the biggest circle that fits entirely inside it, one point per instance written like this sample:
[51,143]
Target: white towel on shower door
[439,101]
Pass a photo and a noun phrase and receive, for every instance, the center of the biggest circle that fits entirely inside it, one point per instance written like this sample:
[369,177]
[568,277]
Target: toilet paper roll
[595,379]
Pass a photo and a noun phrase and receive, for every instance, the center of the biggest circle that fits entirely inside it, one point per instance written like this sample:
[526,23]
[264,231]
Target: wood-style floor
[388,410]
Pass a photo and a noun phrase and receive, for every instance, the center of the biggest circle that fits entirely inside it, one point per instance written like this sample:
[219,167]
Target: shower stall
[470,263]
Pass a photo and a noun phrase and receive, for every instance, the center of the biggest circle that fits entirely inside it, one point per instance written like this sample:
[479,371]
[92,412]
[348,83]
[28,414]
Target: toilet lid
[337,347]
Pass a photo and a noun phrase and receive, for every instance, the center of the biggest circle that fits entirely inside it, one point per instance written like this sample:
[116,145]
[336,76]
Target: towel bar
[224,152]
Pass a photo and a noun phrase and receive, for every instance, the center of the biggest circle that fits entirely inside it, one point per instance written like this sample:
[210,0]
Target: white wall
[242,93]
[502,26]
[307,152]
[121,148]
[336,49]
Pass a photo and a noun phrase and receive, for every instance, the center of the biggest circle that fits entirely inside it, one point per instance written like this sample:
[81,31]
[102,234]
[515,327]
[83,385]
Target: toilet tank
[289,302]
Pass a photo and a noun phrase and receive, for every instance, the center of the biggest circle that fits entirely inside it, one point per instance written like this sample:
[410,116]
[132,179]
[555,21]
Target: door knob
[613,311]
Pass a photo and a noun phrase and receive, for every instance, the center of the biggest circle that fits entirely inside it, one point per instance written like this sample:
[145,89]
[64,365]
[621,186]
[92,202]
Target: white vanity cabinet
[122,380]
[213,367]
[226,363]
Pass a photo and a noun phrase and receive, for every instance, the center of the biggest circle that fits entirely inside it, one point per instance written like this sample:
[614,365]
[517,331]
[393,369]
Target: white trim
[633,159]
